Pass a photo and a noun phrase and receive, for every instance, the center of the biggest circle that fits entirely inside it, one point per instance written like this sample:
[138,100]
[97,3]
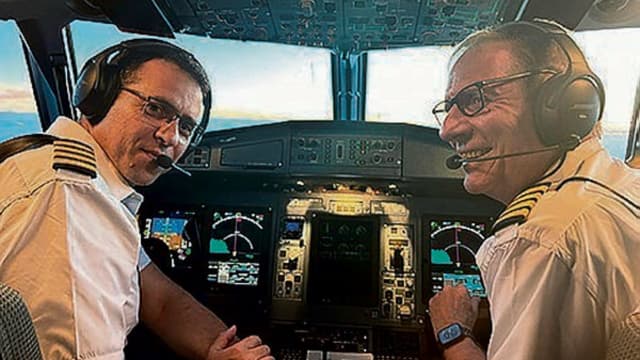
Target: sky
[15,88]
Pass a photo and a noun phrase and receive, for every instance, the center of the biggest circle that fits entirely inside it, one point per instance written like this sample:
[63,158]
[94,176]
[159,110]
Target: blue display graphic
[235,247]
[168,230]
[454,244]
[473,282]
[292,229]
[170,227]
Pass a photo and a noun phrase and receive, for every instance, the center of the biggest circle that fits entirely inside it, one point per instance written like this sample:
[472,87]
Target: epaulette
[22,143]
[74,155]
[518,211]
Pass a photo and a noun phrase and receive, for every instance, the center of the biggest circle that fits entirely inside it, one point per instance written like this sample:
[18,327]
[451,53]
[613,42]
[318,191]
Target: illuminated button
[405,310]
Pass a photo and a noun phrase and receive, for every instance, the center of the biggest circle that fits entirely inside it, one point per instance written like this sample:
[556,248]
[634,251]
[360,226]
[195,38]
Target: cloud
[16,98]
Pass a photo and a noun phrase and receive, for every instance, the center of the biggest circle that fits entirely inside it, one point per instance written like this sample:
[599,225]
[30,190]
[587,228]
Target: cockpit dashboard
[326,239]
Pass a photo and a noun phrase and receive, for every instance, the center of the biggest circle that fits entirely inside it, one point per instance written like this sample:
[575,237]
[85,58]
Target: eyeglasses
[470,100]
[161,111]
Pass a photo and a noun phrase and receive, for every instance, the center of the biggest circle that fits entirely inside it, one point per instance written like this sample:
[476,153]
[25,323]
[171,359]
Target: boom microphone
[454,162]
[165,162]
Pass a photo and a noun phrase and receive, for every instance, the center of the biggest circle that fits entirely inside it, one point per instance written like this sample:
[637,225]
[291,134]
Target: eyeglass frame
[168,119]
[448,103]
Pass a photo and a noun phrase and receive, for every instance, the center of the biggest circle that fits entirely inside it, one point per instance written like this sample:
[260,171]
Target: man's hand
[248,348]
[451,305]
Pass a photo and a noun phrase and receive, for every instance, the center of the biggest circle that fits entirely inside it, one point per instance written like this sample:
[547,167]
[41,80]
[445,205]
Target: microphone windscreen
[454,162]
[164,161]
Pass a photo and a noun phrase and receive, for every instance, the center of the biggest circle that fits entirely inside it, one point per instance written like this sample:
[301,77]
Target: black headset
[568,103]
[99,81]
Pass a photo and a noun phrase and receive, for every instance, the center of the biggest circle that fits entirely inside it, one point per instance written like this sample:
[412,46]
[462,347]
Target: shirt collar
[65,127]
[573,161]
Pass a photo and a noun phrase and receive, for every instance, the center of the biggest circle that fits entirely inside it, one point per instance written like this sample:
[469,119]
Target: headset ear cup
[546,115]
[84,91]
[97,86]
[580,106]
[566,107]
[108,87]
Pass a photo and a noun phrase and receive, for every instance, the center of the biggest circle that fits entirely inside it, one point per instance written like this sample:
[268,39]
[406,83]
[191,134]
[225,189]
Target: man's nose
[168,133]
[451,125]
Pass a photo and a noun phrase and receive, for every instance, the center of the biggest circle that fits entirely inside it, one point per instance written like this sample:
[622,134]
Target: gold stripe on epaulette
[542,188]
[534,196]
[530,203]
[73,142]
[81,155]
[524,212]
[66,146]
[74,155]
[518,211]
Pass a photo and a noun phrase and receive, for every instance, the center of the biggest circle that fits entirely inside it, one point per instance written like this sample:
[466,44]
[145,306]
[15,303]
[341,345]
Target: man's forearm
[183,323]
[464,350]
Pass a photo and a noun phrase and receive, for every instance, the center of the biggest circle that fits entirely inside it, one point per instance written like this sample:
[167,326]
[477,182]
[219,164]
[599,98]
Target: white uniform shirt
[561,282]
[70,245]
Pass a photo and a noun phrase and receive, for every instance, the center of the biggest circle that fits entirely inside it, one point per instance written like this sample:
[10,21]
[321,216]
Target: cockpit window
[253,82]
[403,85]
[613,55]
[18,114]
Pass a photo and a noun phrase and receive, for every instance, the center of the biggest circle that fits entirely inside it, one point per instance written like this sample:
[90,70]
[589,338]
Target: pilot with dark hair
[561,269]
[69,240]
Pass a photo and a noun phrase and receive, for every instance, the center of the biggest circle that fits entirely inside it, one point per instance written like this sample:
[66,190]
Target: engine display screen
[453,244]
[344,260]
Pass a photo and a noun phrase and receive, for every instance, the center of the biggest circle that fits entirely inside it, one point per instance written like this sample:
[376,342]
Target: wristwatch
[453,334]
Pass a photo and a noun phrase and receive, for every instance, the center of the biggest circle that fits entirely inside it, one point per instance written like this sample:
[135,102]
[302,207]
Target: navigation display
[236,242]
[177,229]
[453,244]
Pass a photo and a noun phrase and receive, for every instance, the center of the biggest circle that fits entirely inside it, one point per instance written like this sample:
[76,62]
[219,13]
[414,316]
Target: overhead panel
[350,25]
[446,22]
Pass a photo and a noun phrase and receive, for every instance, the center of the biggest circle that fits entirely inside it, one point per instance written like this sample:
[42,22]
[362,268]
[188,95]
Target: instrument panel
[323,258]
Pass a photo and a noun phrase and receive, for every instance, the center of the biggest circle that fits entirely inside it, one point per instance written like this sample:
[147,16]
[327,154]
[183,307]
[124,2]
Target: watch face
[450,334]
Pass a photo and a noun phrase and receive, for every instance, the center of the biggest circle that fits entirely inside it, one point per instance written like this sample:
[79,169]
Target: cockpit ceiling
[354,25]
